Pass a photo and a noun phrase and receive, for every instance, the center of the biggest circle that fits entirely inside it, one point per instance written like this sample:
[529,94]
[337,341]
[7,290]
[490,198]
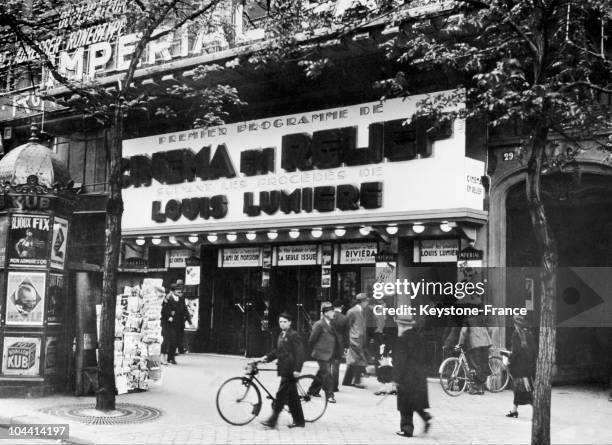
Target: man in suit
[171,320]
[290,354]
[340,325]
[356,360]
[182,316]
[323,344]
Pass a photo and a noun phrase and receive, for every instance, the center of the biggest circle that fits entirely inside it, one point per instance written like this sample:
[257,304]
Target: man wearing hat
[182,315]
[172,317]
[323,344]
[356,360]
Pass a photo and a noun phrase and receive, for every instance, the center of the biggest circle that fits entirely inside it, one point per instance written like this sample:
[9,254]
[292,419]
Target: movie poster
[55,301]
[29,240]
[21,356]
[25,298]
[51,345]
[58,244]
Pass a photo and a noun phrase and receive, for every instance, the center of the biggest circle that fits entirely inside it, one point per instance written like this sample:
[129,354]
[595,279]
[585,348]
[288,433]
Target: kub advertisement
[21,356]
[25,298]
[29,240]
[58,245]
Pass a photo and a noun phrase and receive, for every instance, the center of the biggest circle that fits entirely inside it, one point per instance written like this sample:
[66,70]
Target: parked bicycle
[456,375]
[239,398]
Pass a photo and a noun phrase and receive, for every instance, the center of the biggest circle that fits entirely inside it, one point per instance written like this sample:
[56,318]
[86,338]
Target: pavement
[186,397]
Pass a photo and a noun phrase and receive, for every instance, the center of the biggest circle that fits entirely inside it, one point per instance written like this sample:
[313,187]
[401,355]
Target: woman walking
[522,364]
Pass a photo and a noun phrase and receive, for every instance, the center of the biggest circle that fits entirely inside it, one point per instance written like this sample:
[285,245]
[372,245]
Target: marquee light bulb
[231,237]
[418,228]
[365,230]
[251,236]
[294,233]
[211,237]
[156,241]
[316,233]
[445,226]
[340,231]
[193,238]
[272,234]
[392,229]
[140,241]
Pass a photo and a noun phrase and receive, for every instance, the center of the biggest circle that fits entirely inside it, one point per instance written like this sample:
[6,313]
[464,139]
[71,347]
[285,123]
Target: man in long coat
[323,344]
[356,360]
[340,324]
[410,376]
[290,354]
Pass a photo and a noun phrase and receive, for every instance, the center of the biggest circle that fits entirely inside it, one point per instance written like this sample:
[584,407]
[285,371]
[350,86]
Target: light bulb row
[316,232]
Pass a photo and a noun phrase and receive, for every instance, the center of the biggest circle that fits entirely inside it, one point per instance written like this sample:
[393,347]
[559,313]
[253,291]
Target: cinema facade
[289,211]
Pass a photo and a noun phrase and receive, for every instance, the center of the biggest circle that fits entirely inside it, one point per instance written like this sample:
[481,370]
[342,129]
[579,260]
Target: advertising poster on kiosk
[29,240]
[55,302]
[21,356]
[25,298]
[58,245]
[51,355]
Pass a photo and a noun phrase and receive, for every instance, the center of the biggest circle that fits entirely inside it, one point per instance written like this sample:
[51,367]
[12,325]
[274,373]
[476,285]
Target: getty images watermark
[582,294]
[458,290]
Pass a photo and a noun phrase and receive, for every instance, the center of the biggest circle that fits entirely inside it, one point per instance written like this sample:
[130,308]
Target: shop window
[85,155]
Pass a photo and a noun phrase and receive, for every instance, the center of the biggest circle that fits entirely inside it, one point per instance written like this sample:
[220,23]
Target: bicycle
[239,398]
[456,374]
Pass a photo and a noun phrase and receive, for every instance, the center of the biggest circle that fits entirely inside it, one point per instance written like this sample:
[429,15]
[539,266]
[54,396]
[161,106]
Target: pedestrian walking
[356,360]
[323,344]
[475,339]
[170,319]
[340,325]
[410,377]
[522,364]
[290,354]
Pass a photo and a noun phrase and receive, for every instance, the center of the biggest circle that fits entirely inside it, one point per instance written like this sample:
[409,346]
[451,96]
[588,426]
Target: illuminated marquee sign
[367,159]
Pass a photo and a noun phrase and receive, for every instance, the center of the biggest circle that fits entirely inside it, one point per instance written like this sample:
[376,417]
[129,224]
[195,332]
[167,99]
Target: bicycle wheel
[498,380]
[453,378]
[313,407]
[238,401]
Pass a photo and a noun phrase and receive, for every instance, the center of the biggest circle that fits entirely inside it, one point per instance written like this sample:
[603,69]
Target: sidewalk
[186,398]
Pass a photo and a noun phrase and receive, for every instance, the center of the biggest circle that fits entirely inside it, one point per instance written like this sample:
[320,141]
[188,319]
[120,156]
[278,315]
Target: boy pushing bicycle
[290,354]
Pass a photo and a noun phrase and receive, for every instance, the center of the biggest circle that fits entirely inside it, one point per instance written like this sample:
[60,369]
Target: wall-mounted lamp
[193,238]
[140,241]
[418,228]
[231,237]
[172,240]
[156,240]
[294,233]
[445,226]
[340,231]
[365,230]
[272,234]
[392,229]
[251,236]
[316,232]
[212,237]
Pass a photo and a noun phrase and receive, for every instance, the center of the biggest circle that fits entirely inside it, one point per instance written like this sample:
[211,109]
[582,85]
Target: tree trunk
[540,429]
[105,398]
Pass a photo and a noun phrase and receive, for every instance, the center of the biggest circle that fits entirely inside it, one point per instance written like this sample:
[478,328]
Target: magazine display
[138,337]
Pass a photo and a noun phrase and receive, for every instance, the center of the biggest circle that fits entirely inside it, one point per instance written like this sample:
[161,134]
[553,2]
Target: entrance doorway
[581,220]
[237,298]
[296,290]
